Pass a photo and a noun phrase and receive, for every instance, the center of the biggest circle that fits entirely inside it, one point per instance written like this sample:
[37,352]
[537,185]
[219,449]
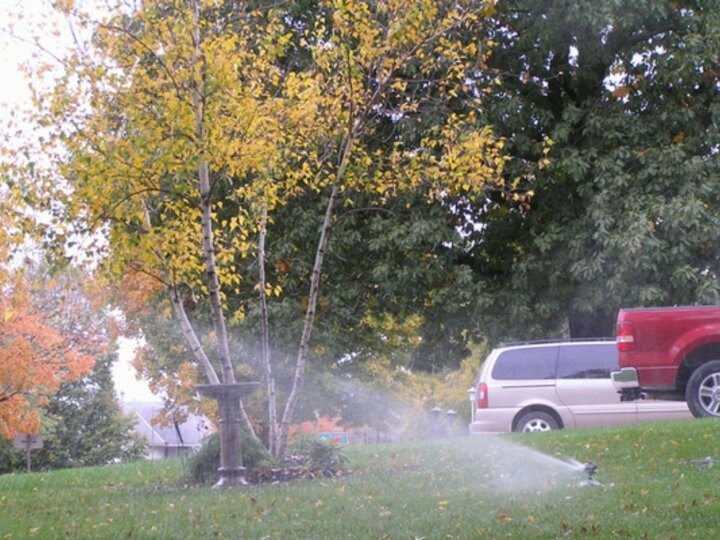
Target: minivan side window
[587,361]
[521,364]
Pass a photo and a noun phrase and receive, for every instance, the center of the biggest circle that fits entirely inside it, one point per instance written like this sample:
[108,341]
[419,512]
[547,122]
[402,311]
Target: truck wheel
[536,421]
[703,390]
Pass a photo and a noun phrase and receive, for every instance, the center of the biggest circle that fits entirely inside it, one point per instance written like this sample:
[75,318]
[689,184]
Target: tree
[609,111]
[83,425]
[90,428]
[37,355]
[205,129]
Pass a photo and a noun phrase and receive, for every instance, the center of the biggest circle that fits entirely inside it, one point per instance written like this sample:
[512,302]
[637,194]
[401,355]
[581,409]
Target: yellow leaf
[621,92]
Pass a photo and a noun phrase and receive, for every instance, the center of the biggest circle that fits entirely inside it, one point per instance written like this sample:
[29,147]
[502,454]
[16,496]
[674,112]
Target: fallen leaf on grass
[503,516]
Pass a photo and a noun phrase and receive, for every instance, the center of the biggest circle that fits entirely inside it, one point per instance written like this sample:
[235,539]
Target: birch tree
[183,126]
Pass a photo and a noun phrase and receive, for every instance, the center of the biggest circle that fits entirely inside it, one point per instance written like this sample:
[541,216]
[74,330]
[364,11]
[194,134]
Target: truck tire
[536,421]
[702,392]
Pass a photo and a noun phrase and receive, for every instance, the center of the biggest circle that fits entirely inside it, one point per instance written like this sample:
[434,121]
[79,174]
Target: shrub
[326,457]
[202,467]
[318,455]
[310,456]
[301,444]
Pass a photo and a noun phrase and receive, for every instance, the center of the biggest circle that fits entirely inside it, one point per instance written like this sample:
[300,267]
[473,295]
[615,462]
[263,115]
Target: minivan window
[531,363]
[587,361]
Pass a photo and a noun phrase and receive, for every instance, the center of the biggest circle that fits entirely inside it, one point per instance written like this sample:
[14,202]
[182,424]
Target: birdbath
[232,472]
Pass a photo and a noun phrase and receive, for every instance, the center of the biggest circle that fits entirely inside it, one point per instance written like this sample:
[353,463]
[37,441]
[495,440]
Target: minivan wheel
[536,421]
[703,390]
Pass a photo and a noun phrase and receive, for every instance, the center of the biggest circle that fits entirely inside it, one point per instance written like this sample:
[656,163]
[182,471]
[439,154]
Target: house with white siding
[178,439]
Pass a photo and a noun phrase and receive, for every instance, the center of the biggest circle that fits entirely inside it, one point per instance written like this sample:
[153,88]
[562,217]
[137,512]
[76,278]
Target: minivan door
[524,374]
[585,388]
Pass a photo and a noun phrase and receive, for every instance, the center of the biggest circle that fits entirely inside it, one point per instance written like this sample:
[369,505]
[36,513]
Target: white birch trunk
[265,339]
[291,403]
[195,346]
[203,171]
[213,283]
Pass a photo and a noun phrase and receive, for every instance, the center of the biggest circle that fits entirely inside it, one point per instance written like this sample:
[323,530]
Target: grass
[496,487]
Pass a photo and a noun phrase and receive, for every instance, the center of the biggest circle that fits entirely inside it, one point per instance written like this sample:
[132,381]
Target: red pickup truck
[671,353]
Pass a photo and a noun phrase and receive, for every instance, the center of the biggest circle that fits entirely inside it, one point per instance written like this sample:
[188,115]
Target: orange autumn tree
[35,357]
[38,350]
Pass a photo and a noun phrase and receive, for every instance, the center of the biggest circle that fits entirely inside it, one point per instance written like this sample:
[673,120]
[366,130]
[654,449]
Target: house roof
[187,433]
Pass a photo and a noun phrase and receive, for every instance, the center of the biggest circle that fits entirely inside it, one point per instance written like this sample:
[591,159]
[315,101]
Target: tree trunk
[213,283]
[307,328]
[265,341]
[591,325]
[343,161]
[218,318]
[195,346]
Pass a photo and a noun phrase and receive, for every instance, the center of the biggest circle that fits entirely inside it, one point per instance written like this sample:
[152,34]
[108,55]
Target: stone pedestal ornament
[231,471]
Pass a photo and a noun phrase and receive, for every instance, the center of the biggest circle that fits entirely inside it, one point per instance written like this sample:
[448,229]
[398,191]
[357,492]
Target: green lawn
[496,487]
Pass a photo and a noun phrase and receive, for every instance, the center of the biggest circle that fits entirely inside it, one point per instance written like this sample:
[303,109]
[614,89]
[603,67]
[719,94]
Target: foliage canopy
[186,128]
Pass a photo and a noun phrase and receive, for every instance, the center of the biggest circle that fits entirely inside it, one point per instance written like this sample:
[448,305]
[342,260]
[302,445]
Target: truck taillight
[481,396]
[625,336]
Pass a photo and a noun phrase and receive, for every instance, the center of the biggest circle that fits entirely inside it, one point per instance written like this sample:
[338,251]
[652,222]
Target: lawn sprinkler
[590,469]
[704,463]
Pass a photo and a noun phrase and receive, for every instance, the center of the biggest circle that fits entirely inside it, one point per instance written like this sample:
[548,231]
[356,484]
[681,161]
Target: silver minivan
[544,386]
